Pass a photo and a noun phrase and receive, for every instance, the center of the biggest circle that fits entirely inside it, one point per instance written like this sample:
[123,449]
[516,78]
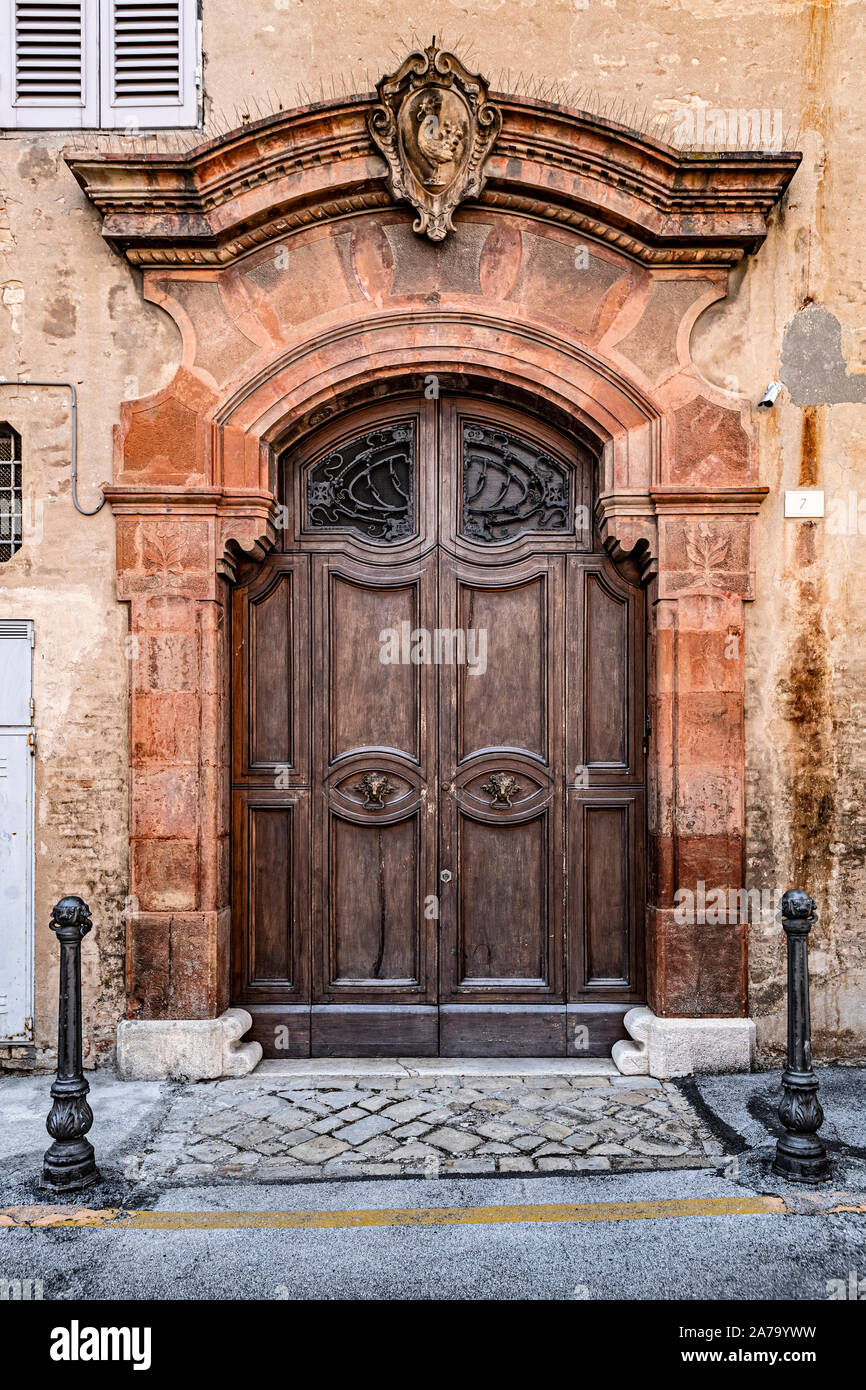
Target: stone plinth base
[666,1047]
[200,1049]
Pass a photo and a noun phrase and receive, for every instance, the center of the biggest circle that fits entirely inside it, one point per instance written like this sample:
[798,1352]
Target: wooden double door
[438,747]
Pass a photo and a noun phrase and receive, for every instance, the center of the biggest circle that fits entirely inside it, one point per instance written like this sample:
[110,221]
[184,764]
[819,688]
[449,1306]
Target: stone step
[314,1068]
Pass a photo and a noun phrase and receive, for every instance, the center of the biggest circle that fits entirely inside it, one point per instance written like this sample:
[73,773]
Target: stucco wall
[72,310]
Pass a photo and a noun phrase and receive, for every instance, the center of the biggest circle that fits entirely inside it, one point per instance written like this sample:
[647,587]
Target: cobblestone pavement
[263,1128]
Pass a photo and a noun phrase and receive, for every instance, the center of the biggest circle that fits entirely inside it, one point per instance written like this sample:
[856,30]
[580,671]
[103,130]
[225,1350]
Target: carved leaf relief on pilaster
[707,555]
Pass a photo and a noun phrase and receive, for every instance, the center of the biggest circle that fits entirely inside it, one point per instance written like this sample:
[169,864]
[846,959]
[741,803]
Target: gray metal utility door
[16,831]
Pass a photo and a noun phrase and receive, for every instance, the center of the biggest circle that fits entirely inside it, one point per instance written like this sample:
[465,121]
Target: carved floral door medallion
[435,127]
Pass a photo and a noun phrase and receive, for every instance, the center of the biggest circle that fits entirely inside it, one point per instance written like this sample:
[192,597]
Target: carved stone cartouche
[435,127]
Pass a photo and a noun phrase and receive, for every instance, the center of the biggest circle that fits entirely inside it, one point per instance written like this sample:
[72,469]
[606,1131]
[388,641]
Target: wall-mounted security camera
[769,397]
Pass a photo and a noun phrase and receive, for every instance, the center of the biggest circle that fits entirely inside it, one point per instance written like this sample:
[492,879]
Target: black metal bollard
[800,1154]
[70,1161]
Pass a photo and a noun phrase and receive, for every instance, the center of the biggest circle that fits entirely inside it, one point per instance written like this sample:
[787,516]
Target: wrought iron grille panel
[10,492]
[511,487]
[366,486]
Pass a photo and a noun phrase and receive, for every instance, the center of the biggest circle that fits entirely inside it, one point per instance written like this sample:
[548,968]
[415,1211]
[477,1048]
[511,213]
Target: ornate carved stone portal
[435,127]
[585,258]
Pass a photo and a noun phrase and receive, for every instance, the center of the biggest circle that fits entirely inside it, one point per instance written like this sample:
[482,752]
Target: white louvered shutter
[149,58]
[49,65]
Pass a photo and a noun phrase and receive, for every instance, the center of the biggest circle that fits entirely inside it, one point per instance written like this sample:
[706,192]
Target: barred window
[10,492]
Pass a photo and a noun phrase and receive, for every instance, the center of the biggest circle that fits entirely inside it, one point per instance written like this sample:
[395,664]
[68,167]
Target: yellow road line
[117,1219]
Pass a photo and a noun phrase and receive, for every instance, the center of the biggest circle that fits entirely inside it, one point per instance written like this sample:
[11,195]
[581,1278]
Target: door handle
[374,787]
[501,787]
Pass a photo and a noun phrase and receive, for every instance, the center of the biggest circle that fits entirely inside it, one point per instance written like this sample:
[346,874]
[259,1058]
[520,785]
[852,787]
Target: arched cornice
[223,198]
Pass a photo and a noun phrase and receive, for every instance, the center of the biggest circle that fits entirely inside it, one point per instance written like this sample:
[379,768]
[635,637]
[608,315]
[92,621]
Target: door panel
[502,701]
[273,674]
[372,704]
[502,905]
[606,675]
[271,832]
[374,873]
[271,658]
[369,1030]
[507,1030]
[273,873]
[606,865]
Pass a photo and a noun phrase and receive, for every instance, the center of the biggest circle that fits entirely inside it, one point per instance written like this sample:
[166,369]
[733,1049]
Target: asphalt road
[628,1254]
